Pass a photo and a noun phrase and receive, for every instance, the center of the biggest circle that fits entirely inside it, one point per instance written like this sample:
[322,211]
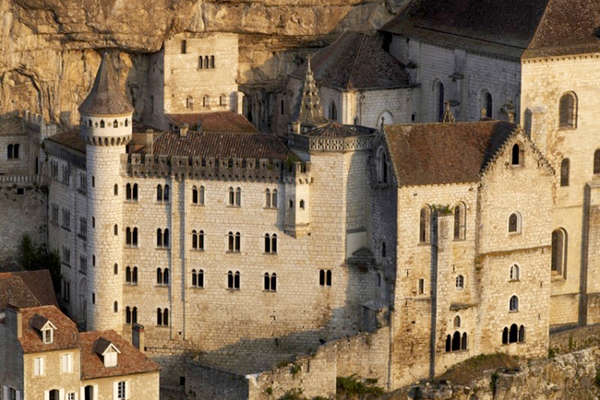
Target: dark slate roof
[441,153]
[196,144]
[101,345]
[334,129]
[356,61]
[129,361]
[503,28]
[26,289]
[222,121]
[567,27]
[106,97]
[11,125]
[66,335]
[70,139]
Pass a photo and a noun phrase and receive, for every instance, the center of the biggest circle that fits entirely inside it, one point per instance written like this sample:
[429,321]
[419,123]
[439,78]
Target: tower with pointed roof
[310,112]
[106,129]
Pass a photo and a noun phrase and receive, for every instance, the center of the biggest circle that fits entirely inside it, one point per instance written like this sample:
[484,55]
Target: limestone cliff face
[48,48]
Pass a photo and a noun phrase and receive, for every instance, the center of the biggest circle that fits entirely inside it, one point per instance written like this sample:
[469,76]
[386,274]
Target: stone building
[46,358]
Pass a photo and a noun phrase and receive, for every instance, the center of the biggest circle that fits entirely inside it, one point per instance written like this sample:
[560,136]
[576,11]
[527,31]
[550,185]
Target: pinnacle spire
[310,112]
[106,96]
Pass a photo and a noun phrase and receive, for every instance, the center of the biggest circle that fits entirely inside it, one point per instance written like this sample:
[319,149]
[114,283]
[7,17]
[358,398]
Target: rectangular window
[83,265]
[325,277]
[54,214]
[66,256]
[71,396]
[66,219]
[38,366]
[66,174]
[122,390]
[66,363]
[82,182]
[12,394]
[421,286]
[83,228]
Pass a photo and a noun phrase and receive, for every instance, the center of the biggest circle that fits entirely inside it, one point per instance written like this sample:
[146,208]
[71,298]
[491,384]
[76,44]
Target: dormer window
[48,336]
[107,351]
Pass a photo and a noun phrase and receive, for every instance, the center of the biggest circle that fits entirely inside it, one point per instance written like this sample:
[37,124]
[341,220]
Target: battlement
[36,123]
[331,144]
[149,165]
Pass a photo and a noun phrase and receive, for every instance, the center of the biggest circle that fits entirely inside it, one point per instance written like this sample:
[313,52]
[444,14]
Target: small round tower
[106,128]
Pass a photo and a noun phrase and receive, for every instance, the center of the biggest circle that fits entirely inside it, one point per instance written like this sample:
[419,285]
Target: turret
[309,111]
[106,128]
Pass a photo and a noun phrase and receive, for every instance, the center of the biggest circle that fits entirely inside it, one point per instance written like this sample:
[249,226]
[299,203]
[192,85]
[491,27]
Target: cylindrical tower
[106,128]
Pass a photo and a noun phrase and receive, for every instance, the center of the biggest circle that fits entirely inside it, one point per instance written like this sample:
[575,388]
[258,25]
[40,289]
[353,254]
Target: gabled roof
[215,122]
[356,61]
[502,28]
[40,323]
[444,153]
[102,345]
[107,96]
[196,144]
[34,319]
[131,360]
[567,27]
[26,289]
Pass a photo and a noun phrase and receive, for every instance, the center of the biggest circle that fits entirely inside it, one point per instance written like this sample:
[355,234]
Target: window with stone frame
[66,256]
[424,224]
[514,272]
[83,265]
[514,223]
[564,172]
[198,278]
[233,280]
[460,221]
[54,214]
[597,162]
[513,305]
[66,219]
[460,282]
[559,252]
[270,282]
[568,111]
[325,277]
[83,228]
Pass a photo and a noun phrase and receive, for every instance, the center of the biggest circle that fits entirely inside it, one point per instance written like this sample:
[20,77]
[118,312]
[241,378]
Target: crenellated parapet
[212,168]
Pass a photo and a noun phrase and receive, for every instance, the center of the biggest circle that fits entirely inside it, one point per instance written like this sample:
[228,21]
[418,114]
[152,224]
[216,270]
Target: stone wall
[23,210]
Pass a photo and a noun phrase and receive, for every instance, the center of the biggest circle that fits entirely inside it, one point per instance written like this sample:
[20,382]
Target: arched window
[383,250]
[166,238]
[514,272]
[488,104]
[438,89]
[205,101]
[135,237]
[128,236]
[564,172]
[460,221]
[116,306]
[166,193]
[332,111]
[194,195]
[126,122]
[505,335]
[301,204]
[135,192]
[513,305]
[516,155]
[159,276]
[128,274]
[463,344]
[424,225]
[206,62]
[230,241]
[267,243]
[212,61]
[559,251]
[201,200]
[448,344]
[128,191]
[597,162]
[238,197]
[102,124]
[528,123]
[236,280]
[159,193]
[189,103]
[134,315]
[457,322]
[456,341]
[134,276]
[460,282]
[116,190]
[166,317]
[194,240]
[159,317]
[115,124]
[274,243]
[200,62]
[201,240]
[9,152]
[200,279]
[513,336]
[274,198]
[231,196]
[127,315]
[116,269]
[166,276]
[230,280]
[237,242]
[268,198]
[115,229]
[194,278]
[568,111]
[521,334]
[514,223]
[328,277]
[159,238]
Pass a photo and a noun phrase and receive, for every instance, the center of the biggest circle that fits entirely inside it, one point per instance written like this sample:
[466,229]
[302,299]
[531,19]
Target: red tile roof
[356,61]
[129,361]
[26,289]
[567,27]
[215,122]
[440,153]
[66,335]
[499,27]
[198,144]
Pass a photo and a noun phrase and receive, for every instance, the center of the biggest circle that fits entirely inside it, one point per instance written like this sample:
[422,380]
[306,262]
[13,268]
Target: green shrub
[293,394]
[353,385]
[269,390]
[294,369]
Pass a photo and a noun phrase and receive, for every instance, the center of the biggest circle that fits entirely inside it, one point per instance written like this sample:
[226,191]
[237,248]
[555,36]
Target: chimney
[18,318]
[183,130]
[137,337]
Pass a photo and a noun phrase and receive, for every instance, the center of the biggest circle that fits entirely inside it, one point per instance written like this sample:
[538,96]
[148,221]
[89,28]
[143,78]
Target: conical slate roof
[106,96]
[310,111]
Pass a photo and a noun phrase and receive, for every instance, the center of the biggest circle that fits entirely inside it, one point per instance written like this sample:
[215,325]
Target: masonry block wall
[480,74]
[577,75]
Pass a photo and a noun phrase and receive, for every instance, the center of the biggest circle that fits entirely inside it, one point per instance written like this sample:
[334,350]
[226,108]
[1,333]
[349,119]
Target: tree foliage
[32,257]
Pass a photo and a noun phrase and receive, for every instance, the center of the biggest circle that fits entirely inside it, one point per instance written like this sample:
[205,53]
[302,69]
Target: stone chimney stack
[18,318]
[137,337]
